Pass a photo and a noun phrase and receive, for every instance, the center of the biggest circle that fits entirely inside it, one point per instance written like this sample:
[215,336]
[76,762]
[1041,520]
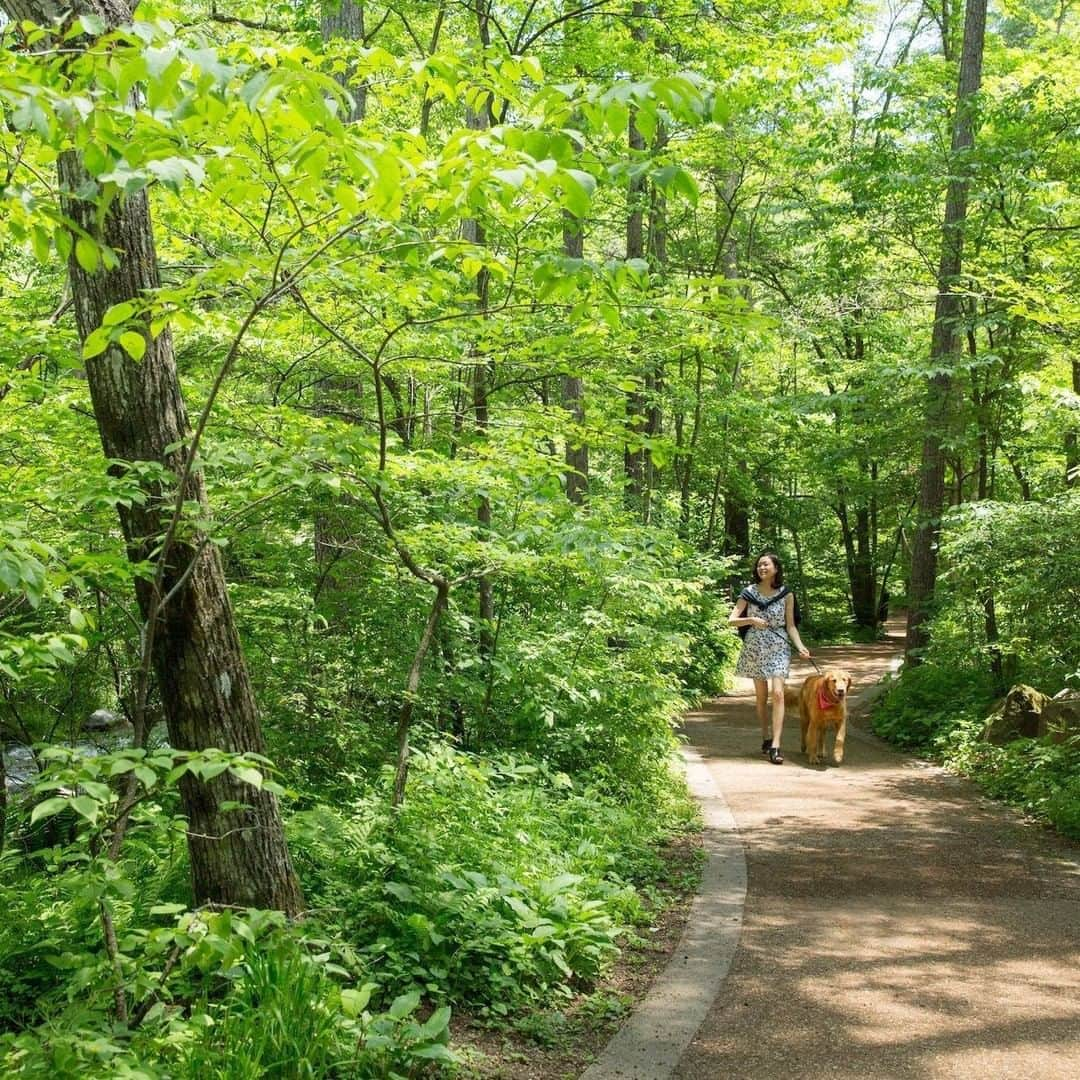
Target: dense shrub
[1020,562]
[499,880]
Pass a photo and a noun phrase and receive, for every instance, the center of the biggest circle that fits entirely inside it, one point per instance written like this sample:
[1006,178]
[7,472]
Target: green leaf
[247,774]
[89,808]
[94,25]
[354,1002]
[96,160]
[435,1024]
[514,178]
[118,313]
[404,1005]
[347,199]
[645,122]
[578,187]
[134,344]
[434,1052]
[97,341]
[42,247]
[471,266]
[48,808]
[86,254]
[146,775]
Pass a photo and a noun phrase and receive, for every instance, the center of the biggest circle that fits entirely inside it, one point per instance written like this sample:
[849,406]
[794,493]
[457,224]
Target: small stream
[103,733]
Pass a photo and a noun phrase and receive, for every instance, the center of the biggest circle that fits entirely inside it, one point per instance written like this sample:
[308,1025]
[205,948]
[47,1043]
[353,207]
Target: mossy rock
[1019,716]
[1061,716]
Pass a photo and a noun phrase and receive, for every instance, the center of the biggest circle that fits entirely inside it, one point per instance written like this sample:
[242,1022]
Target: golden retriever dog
[823,705]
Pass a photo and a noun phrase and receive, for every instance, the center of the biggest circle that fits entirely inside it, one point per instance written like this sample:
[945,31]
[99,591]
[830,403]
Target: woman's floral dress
[765,653]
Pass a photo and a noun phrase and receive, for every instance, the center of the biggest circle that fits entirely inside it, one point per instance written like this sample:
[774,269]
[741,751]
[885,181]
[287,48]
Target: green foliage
[498,882]
[1037,775]
[383,306]
[276,1008]
[941,712]
[924,708]
[1024,557]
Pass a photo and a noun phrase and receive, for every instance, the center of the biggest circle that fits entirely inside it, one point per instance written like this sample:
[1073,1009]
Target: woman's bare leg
[761,694]
[777,685]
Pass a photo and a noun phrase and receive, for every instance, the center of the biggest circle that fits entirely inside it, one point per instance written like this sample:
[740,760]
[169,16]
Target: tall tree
[237,856]
[948,312]
[573,392]
[634,465]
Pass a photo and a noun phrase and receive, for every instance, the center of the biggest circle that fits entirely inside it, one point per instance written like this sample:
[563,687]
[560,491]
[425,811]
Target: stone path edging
[649,1045]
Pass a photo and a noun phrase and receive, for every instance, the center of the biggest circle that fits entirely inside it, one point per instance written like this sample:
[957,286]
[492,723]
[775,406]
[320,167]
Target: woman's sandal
[775,757]
[765,744]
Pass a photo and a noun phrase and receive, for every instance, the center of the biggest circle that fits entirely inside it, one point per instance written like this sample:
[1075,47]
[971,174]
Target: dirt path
[897,924]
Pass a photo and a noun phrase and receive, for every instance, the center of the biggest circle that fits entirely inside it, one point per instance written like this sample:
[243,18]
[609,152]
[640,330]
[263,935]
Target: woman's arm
[792,629]
[739,618]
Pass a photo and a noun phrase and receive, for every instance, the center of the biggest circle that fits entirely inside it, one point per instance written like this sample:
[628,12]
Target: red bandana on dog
[823,701]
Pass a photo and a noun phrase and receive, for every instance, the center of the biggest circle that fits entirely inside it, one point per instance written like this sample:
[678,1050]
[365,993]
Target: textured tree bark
[340,19]
[654,371]
[573,390]
[634,458]
[736,511]
[947,314]
[345,19]
[685,471]
[237,857]
[860,565]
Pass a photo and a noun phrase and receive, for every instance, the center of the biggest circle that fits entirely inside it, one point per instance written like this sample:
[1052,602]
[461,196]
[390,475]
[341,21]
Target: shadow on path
[897,923]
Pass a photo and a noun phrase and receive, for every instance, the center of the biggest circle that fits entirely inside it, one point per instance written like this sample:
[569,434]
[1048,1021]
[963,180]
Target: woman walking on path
[766,651]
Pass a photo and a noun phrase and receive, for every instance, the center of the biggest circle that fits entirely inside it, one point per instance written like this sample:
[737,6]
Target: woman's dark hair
[779,579]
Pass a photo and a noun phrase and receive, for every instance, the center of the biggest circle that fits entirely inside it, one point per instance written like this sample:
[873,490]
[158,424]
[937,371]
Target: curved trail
[896,923]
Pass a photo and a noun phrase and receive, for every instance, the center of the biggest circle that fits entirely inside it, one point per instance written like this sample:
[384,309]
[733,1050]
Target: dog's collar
[823,699]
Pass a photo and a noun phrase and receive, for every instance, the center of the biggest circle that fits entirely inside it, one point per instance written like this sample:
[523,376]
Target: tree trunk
[947,314]
[710,529]
[573,391]
[654,371]
[736,521]
[3,797]
[237,857]
[1072,438]
[634,457]
[342,19]
[860,565]
[345,19]
[864,585]
[472,231]
[736,511]
[806,606]
[687,469]
[408,700]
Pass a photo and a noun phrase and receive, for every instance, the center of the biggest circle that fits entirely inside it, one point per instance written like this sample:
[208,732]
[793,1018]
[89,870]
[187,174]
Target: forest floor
[897,923]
